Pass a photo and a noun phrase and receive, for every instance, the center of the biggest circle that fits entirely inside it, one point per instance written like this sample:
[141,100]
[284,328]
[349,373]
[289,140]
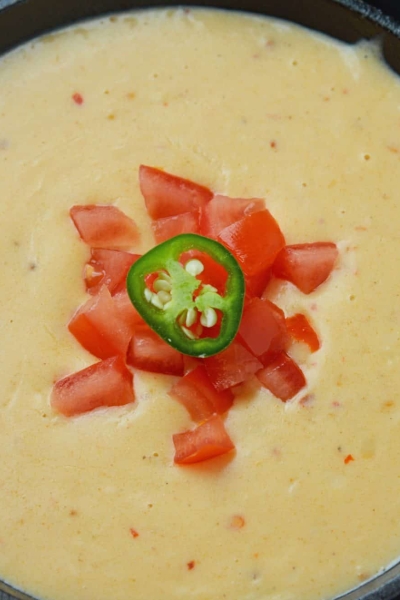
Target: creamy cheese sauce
[249,107]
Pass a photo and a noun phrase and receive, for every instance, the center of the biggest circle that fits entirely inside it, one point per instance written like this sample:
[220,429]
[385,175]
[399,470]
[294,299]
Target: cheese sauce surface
[249,107]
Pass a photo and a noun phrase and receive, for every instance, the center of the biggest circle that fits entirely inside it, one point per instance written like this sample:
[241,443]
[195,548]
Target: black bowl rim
[386,584]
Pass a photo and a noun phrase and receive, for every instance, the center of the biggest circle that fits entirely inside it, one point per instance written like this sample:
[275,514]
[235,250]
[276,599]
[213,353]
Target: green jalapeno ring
[163,311]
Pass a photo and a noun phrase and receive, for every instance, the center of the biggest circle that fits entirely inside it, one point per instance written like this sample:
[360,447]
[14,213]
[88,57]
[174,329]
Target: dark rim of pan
[347,20]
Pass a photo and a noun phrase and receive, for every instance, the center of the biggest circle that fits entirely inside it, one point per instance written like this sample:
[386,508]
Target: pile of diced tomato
[108,326]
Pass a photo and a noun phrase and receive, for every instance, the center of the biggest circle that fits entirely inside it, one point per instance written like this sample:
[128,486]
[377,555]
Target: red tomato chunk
[263,327]
[107,383]
[282,377]
[196,392]
[128,316]
[306,265]
[109,268]
[167,195]
[169,227]
[231,366]
[300,329]
[148,352]
[222,211]
[208,440]
[255,241]
[256,284]
[100,328]
[104,226]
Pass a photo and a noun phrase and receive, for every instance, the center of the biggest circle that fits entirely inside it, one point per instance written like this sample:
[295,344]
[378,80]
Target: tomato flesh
[127,314]
[231,366]
[263,327]
[106,383]
[104,226]
[207,440]
[169,227]
[257,284]
[197,393]
[255,241]
[300,329]
[148,352]
[222,211]
[99,327]
[109,268]
[282,377]
[306,265]
[167,195]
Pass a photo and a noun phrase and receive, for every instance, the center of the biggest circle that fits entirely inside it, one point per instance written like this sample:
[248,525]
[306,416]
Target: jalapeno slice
[178,304]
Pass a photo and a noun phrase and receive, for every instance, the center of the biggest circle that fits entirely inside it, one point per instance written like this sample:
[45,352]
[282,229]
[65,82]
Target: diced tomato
[107,383]
[256,284]
[306,265]
[255,241]
[167,195]
[148,352]
[282,376]
[213,274]
[263,327]
[127,313]
[104,226]
[169,227]
[197,393]
[109,268]
[222,211]
[207,440]
[300,329]
[99,327]
[190,363]
[231,366]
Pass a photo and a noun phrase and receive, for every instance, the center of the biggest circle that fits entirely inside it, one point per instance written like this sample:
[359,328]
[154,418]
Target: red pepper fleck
[77,98]
[307,400]
[191,564]
[133,533]
[348,459]
[237,522]
[302,331]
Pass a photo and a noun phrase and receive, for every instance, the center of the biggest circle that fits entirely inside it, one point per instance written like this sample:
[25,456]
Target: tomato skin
[263,327]
[282,376]
[197,393]
[167,195]
[169,227]
[306,265]
[104,226]
[109,268]
[255,241]
[300,329]
[106,383]
[127,314]
[99,328]
[231,366]
[257,284]
[206,441]
[148,352]
[222,211]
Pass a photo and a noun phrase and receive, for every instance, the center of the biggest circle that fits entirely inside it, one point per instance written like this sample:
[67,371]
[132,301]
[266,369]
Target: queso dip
[249,107]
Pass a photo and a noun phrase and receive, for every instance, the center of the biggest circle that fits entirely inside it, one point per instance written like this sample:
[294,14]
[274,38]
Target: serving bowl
[347,20]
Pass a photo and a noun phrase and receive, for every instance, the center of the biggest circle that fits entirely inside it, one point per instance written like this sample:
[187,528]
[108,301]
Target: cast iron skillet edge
[347,20]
